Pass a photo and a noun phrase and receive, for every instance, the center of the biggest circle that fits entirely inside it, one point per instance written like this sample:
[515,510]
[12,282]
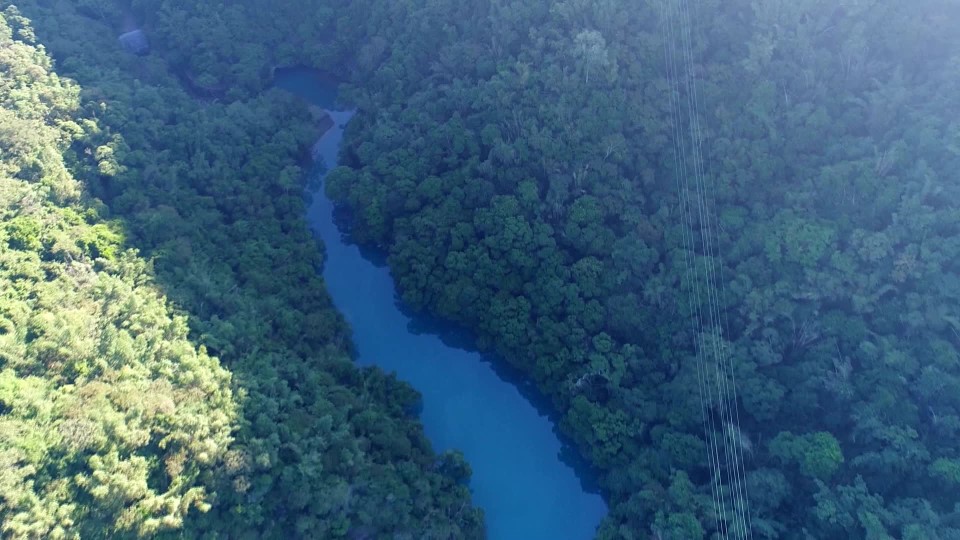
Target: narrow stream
[526,490]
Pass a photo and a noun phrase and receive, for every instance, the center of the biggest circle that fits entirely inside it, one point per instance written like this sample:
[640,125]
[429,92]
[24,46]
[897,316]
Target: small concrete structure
[135,42]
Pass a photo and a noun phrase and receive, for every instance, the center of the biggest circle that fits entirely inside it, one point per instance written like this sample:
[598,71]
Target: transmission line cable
[696,311]
[730,409]
[710,316]
[696,308]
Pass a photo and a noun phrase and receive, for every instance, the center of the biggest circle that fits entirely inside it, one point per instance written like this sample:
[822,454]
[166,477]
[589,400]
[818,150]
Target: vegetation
[111,421]
[518,165]
[116,421]
[532,198]
[515,159]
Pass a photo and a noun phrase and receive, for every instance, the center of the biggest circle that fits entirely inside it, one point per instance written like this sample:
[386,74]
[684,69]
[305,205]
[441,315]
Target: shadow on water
[312,85]
[458,337]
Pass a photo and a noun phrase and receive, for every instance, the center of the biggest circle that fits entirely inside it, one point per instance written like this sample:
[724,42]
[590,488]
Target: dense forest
[160,373]
[515,161]
[520,173]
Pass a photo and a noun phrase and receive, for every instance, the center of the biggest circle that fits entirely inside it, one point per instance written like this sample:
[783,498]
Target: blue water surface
[527,491]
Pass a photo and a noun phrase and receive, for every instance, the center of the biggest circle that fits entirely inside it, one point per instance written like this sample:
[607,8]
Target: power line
[696,315]
[706,320]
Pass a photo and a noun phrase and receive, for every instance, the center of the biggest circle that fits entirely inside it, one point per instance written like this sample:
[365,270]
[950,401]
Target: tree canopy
[171,364]
[515,161]
[111,421]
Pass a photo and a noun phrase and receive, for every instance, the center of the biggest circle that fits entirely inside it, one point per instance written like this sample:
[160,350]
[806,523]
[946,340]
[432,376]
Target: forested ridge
[170,363]
[515,160]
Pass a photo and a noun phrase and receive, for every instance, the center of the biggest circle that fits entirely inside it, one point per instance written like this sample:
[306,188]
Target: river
[525,487]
